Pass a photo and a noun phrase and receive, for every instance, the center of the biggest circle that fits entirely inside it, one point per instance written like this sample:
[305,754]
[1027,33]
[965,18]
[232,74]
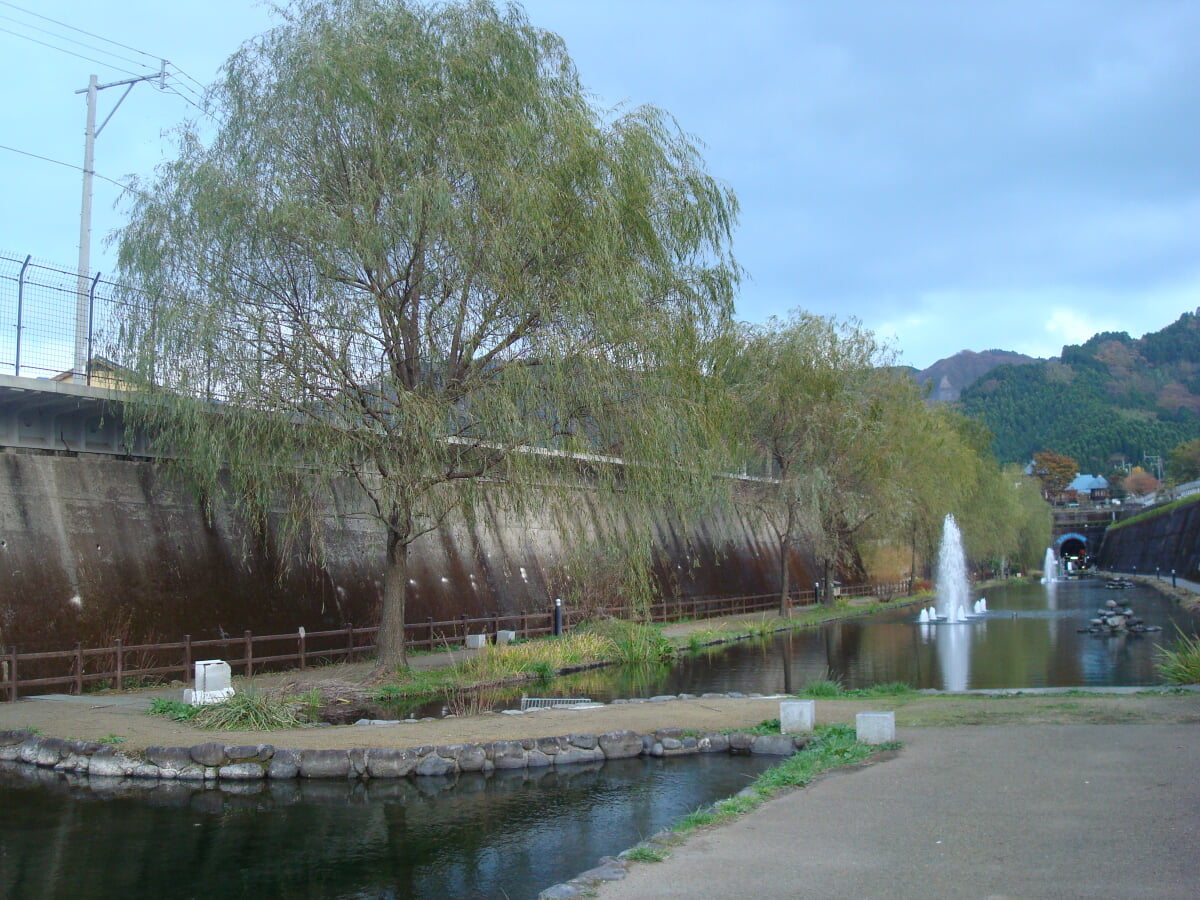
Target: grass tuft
[176,710]
[822,688]
[1180,664]
[646,853]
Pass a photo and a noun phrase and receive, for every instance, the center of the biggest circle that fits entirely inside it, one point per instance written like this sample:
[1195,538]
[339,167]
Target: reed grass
[249,710]
[1180,664]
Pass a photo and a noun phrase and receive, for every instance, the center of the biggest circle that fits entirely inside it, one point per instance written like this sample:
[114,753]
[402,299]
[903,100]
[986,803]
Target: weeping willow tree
[818,414]
[407,251]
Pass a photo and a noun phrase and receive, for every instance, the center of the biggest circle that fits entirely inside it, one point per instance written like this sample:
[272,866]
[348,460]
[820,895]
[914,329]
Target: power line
[98,37]
[61,37]
[59,162]
[189,78]
[98,62]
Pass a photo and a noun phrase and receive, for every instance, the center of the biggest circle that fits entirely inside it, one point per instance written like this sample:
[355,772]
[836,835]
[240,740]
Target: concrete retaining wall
[94,548]
[1160,543]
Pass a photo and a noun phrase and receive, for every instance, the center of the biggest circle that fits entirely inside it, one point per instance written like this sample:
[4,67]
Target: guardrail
[123,665]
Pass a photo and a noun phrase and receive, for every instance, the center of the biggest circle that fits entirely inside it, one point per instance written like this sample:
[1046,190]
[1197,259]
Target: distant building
[1090,487]
[102,373]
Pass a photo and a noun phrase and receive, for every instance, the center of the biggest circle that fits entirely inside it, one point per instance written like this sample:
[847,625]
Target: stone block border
[214,761]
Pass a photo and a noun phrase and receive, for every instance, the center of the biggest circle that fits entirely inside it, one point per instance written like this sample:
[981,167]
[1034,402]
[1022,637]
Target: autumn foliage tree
[1054,470]
[1139,482]
[1183,462]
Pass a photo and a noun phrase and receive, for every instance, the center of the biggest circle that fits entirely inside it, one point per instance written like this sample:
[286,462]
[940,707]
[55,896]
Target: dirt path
[123,718]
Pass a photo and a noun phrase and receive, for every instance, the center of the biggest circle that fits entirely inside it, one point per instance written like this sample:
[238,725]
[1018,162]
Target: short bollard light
[875,727]
[558,617]
[797,716]
[1172,578]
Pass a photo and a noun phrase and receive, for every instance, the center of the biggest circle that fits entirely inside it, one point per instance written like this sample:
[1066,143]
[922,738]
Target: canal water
[511,835]
[1033,636]
[508,835]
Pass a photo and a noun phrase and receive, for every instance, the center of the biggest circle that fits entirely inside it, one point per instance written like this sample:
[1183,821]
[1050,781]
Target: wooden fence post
[78,668]
[12,672]
[120,665]
[249,654]
[187,658]
[349,642]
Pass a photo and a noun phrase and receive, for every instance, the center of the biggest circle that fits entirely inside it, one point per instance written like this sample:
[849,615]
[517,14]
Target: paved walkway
[1041,811]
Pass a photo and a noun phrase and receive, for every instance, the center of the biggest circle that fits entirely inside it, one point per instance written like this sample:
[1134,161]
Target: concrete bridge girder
[40,414]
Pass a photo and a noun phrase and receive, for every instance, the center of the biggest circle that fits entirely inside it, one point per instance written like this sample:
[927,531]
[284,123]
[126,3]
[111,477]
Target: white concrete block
[476,641]
[797,716]
[213,683]
[505,637]
[875,727]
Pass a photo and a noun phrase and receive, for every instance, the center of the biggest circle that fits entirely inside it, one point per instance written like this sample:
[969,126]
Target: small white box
[875,727]
[505,637]
[476,641]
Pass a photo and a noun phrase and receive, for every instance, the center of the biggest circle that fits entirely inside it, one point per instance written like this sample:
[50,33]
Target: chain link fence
[54,324]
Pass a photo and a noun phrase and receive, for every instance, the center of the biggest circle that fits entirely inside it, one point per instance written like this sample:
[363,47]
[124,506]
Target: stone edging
[214,761]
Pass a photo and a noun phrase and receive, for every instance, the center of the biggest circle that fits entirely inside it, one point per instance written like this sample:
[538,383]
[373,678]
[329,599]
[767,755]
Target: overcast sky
[956,175]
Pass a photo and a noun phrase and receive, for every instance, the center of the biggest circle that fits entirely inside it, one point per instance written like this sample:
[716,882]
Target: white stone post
[797,716]
[875,727]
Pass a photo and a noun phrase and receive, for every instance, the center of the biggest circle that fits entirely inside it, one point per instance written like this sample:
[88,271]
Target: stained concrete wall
[1170,540]
[95,547]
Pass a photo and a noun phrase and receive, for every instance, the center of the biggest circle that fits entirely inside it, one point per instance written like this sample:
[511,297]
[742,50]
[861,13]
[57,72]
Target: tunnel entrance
[1072,549]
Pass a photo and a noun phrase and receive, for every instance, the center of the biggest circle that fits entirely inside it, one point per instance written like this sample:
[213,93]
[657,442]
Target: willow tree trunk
[785,552]
[390,642]
[827,593]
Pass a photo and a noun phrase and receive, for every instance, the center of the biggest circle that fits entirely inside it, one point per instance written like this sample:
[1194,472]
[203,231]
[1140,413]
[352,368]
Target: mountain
[1110,400]
[949,376]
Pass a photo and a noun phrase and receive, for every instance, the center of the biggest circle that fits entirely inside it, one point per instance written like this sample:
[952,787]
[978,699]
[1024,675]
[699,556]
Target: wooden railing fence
[124,665]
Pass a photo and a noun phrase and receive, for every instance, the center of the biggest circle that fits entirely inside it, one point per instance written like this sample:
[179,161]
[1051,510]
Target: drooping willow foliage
[407,253]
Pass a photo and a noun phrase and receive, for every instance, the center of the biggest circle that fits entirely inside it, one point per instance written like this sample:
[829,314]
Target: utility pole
[1157,463]
[83,288]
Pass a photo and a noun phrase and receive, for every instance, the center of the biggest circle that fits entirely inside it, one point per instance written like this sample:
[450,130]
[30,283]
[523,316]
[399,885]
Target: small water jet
[952,574]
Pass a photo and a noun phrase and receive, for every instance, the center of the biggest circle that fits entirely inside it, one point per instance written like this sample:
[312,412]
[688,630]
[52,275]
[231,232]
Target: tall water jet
[1049,567]
[951,574]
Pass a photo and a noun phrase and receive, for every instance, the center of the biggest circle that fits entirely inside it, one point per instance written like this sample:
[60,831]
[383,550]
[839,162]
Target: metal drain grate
[548,702]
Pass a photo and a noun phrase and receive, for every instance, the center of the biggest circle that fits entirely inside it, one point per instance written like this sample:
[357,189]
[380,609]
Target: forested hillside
[1109,399]
[946,378]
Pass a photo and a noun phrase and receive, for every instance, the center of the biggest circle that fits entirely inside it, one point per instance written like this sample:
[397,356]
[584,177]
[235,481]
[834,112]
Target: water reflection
[510,834]
[1028,638]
